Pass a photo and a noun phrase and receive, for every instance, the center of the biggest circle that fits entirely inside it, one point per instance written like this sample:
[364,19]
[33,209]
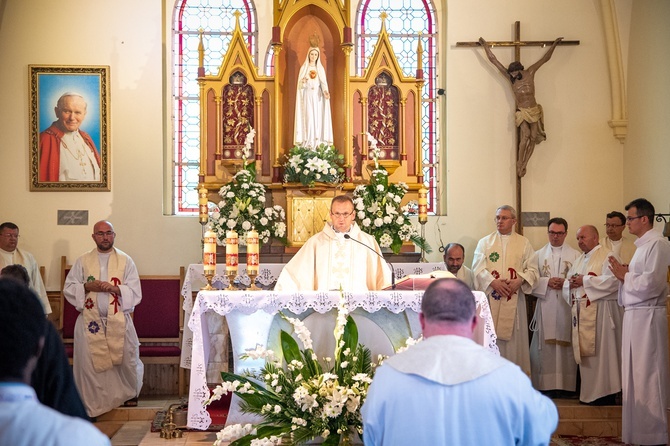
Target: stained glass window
[216,19]
[407,21]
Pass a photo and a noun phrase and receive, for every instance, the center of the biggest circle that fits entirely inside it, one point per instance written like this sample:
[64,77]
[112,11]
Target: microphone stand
[348,237]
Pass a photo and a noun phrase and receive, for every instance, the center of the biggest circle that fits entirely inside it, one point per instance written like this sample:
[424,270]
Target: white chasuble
[327,261]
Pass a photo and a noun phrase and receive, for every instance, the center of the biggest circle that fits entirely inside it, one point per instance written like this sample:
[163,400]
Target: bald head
[448,307]
[587,238]
[103,236]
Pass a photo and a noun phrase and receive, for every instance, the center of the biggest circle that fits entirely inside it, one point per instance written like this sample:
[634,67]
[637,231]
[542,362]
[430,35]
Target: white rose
[246,225]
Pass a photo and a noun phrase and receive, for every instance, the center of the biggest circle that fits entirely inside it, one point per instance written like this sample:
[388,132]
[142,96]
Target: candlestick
[423,205]
[203,209]
[209,257]
[231,257]
[253,259]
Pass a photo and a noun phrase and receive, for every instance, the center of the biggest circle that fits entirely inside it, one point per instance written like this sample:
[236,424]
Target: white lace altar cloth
[261,307]
[268,274]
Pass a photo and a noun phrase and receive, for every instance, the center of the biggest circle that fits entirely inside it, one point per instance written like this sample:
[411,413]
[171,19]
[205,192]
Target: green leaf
[421,243]
[290,348]
[350,336]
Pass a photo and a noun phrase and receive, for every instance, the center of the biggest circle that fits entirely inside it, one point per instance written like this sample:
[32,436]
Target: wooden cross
[517,43]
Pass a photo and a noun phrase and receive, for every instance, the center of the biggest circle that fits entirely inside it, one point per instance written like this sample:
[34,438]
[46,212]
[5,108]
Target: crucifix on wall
[528,117]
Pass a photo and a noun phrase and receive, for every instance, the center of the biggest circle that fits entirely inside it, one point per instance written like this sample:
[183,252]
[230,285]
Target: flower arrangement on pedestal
[308,165]
[379,211]
[301,399]
[242,206]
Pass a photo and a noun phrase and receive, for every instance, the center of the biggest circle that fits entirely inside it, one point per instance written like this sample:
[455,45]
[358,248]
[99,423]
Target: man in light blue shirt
[448,390]
[24,421]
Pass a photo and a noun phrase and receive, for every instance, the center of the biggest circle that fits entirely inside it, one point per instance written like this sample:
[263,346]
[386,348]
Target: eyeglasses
[556,234]
[341,214]
[608,226]
[103,234]
[16,236]
[633,218]
[503,218]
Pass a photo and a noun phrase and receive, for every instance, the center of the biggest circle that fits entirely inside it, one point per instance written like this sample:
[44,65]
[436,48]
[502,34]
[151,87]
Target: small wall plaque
[73,218]
[531,219]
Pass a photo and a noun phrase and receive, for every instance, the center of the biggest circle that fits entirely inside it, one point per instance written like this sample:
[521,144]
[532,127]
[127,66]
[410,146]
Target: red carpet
[218,410]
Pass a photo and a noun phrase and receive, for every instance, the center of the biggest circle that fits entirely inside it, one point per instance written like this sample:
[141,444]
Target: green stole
[106,346]
[503,310]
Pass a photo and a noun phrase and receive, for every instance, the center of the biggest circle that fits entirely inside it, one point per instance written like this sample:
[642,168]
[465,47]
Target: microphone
[348,237]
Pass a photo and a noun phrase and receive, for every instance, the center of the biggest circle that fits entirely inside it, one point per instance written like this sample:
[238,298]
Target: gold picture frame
[69,128]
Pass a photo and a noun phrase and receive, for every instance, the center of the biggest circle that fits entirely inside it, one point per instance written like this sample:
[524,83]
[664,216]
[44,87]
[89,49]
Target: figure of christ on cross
[529,116]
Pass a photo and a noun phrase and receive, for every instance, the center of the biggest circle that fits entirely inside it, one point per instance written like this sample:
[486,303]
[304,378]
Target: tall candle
[423,205]
[202,205]
[231,252]
[252,252]
[209,252]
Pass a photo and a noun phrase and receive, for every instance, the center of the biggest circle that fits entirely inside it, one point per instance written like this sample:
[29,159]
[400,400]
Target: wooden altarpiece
[382,101]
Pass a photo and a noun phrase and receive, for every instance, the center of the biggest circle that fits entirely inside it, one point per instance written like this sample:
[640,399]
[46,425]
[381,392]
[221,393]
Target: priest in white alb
[104,286]
[505,268]
[341,256]
[592,291]
[552,362]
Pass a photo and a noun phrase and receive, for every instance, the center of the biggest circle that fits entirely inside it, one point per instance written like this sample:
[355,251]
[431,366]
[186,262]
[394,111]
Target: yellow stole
[503,309]
[585,313]
[105,345]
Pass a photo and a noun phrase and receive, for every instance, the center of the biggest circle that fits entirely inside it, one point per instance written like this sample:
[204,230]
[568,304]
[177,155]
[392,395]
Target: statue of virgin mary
[313,122]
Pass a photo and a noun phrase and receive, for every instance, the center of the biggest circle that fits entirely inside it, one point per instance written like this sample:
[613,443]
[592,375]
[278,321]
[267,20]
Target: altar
[385,319]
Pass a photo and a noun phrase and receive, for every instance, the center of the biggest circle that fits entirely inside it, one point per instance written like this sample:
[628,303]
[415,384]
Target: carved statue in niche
[313,121]
[383,110]
[238,115]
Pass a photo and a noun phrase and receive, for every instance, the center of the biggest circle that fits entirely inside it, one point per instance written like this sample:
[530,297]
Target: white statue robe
[552,361]
[21,257]
[516,250]
[645,342]
[600,373]
[104,391]
[328,261]
[623,249]
[313,121]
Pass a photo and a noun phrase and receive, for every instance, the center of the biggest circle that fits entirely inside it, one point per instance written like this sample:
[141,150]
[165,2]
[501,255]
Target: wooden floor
[131,426]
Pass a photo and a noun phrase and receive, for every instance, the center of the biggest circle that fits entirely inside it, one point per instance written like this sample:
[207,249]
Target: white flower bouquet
[379,211]
[300,399]
[242,208]
[308,166]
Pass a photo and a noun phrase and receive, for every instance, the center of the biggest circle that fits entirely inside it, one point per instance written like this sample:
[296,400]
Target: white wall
[577,173]
[647,153]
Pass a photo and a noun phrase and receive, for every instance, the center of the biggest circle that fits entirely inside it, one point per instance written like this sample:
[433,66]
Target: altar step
[593,421]
[131,426]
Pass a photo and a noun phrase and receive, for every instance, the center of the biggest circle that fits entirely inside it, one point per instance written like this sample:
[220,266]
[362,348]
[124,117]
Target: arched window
[407,21]
[216,19]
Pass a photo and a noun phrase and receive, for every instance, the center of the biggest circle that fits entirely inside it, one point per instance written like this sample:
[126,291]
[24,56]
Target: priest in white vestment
[622,247]
[454,257]
[552,361]
[11,254]
[104,286]
[331,261]
[643,290]
[505,268]
[596,320]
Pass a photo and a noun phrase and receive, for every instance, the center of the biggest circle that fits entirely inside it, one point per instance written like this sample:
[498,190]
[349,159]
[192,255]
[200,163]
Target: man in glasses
[10,254]
[340,256]
[104,286]
[552,362]
[614,241]
[505,268]
[643,290]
